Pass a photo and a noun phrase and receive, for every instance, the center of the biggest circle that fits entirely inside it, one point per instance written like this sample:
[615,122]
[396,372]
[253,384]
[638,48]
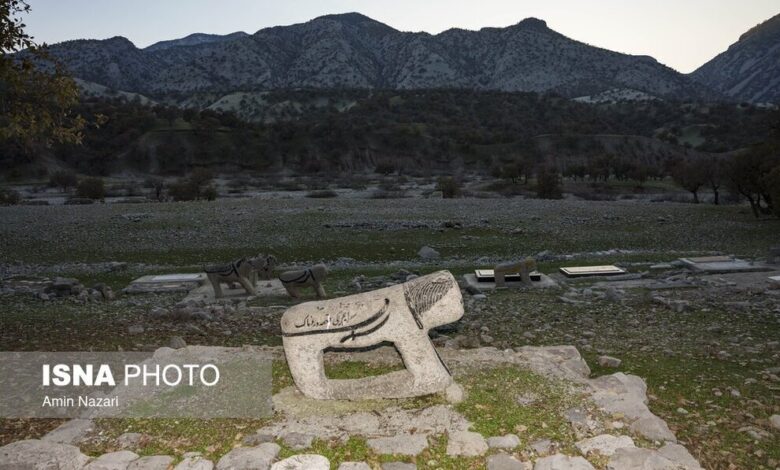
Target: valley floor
[709,352]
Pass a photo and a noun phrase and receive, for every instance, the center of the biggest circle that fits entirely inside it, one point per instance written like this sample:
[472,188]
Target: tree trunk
[695,196]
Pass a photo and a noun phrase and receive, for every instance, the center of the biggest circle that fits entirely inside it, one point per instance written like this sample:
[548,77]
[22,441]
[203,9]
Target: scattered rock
[129,440]
[542,446]
[249,458]
[398,466]
[303,462]
[609,361]
[135,329]
[679,455]
[177,342]
[297,441]
[70,432]
[506,462]
[113,461]
[562,462]
[195,462]
[774,420]
[402,444]
[637,458]
[35,454]
[466,443]
[427,252]
[454,394]
[154,462]
[509,441]
[654,428]
[354,466]
[604,444]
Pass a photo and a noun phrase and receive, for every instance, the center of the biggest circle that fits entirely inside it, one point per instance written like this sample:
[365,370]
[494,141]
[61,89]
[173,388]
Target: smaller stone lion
[243,271]
[309,277]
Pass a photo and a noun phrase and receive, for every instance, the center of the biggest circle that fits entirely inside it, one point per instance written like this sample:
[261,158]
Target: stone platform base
[544,283]
[263,288]
[180,282]
[723,265]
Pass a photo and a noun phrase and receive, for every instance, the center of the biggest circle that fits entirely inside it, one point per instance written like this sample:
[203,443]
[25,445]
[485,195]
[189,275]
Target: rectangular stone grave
[587,271]
[539,281]
[722,265]
[263,288]
[178,277]
[178,282]
[488,275]
[710,259]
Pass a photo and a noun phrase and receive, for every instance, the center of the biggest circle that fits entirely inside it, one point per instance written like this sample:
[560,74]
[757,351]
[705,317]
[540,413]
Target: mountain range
[354,51]
[750,69]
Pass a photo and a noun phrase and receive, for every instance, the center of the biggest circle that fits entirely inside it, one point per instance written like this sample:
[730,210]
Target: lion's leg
[320,290]
[247,285]
[214,279]
[525,274]
[292,289]
[421,359]
[499,278]
[305,361]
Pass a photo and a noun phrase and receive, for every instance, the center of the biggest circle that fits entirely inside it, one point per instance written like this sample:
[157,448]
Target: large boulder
[41,455]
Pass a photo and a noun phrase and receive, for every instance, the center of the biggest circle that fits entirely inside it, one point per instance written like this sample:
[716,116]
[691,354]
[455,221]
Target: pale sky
[682,34]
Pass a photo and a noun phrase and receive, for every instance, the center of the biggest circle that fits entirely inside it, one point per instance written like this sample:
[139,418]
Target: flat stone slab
[263,288]
[587,271]
[545,282]
[722,265]
[177,282]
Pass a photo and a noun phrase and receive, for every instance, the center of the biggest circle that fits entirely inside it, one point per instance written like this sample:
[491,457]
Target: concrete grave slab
[544,281]
[269,288]
[177,282]
[587,271]
[722,264]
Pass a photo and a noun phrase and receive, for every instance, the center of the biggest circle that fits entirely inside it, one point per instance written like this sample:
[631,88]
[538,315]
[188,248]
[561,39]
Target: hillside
[421,132]
[750,69]
[354,51]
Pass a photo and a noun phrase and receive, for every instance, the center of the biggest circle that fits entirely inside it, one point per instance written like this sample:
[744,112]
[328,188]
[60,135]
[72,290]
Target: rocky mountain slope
[750,69]
[354,51]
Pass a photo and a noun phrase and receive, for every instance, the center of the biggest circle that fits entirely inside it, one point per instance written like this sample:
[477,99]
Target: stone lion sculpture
[243,271]
[266,271]
[309,277]
[401,314]
[524,268]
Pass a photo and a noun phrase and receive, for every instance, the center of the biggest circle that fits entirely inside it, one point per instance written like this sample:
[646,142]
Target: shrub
[449,187]
[194,187]
[385,167]
[63,179]
[157,185]
[182,190]
[210,193]
[9,197]
[548,184]
[91,188]
[322,194]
